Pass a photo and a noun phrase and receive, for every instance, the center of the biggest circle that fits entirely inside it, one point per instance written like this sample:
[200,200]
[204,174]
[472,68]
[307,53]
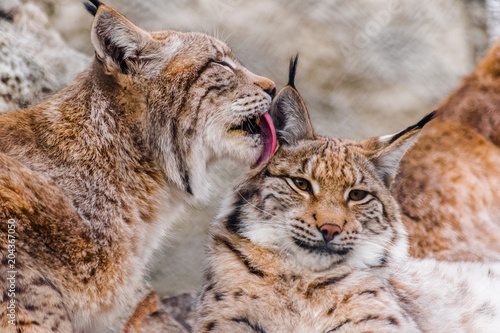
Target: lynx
[448,182]
[312,241]
[92,178]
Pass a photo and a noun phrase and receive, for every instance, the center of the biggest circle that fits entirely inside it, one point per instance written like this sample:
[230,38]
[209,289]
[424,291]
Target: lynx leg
[143,309]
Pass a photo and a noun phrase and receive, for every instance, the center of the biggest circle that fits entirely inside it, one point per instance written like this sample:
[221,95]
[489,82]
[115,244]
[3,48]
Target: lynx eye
[357,195]
[224,64]
[302,184]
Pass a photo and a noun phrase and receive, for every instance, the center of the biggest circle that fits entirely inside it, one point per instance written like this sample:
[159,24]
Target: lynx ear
[289,113]
[117,41]
[386,152]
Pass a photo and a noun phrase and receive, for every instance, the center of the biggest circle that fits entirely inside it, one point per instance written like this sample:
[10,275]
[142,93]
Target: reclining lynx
[447,184]
[312,241]
[94,176]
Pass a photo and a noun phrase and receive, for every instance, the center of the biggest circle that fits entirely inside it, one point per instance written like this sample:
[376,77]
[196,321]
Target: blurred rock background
[367,67]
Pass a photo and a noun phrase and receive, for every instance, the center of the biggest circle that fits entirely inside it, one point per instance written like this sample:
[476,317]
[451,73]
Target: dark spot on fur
[336,328]
[254,327]
[233,223]
[155,314]
[322,284]
[210,326]
[393,321]
[219,297]
[249,192]
[346,298]
[486,309]
[368,318]
[187,184]
[243,259]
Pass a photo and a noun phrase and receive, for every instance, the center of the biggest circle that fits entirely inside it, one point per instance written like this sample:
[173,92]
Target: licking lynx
[312,241]
[93,177]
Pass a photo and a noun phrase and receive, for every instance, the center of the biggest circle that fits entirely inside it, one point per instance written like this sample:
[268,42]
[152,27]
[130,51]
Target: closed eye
[224,64]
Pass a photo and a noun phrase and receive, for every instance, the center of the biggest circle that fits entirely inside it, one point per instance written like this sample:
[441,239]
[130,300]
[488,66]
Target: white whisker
[263,211]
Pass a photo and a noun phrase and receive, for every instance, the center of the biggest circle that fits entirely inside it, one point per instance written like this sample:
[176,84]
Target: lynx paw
[143,309]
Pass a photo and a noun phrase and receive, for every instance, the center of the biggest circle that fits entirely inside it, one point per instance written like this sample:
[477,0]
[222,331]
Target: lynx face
[323,201]
[194,101]
[218,99]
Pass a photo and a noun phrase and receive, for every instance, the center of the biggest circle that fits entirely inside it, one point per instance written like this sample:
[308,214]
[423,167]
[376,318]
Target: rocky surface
[35,62]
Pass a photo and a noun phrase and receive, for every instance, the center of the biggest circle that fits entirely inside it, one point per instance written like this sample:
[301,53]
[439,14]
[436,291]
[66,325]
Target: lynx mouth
[263,126]
[249,126]
[320,248]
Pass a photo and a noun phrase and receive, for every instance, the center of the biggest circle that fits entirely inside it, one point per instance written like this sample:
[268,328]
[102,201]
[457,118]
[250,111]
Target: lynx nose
[271,89]
[267,85]
[329,231]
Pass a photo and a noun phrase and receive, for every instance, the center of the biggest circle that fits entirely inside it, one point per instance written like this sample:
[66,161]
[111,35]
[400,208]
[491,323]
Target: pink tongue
[268,138]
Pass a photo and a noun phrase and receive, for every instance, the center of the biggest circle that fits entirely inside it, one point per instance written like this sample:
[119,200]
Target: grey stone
[34,60]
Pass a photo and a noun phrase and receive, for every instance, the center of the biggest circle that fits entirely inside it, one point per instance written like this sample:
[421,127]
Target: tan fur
[256,282]
[147,306]
[448,182]
[94,176]
[272,269]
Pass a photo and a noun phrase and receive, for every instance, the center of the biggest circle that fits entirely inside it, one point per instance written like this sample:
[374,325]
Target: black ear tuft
[418,125]
[292,69]
[426,119]
[289,113]
[92,6]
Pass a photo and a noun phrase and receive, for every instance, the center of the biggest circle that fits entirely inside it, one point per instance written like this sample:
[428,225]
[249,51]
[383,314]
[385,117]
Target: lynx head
[323,201]
[194,100]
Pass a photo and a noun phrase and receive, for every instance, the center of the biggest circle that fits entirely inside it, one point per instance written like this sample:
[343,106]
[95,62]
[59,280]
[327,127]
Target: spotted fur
[272,268]
[94,176]
[448,182]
